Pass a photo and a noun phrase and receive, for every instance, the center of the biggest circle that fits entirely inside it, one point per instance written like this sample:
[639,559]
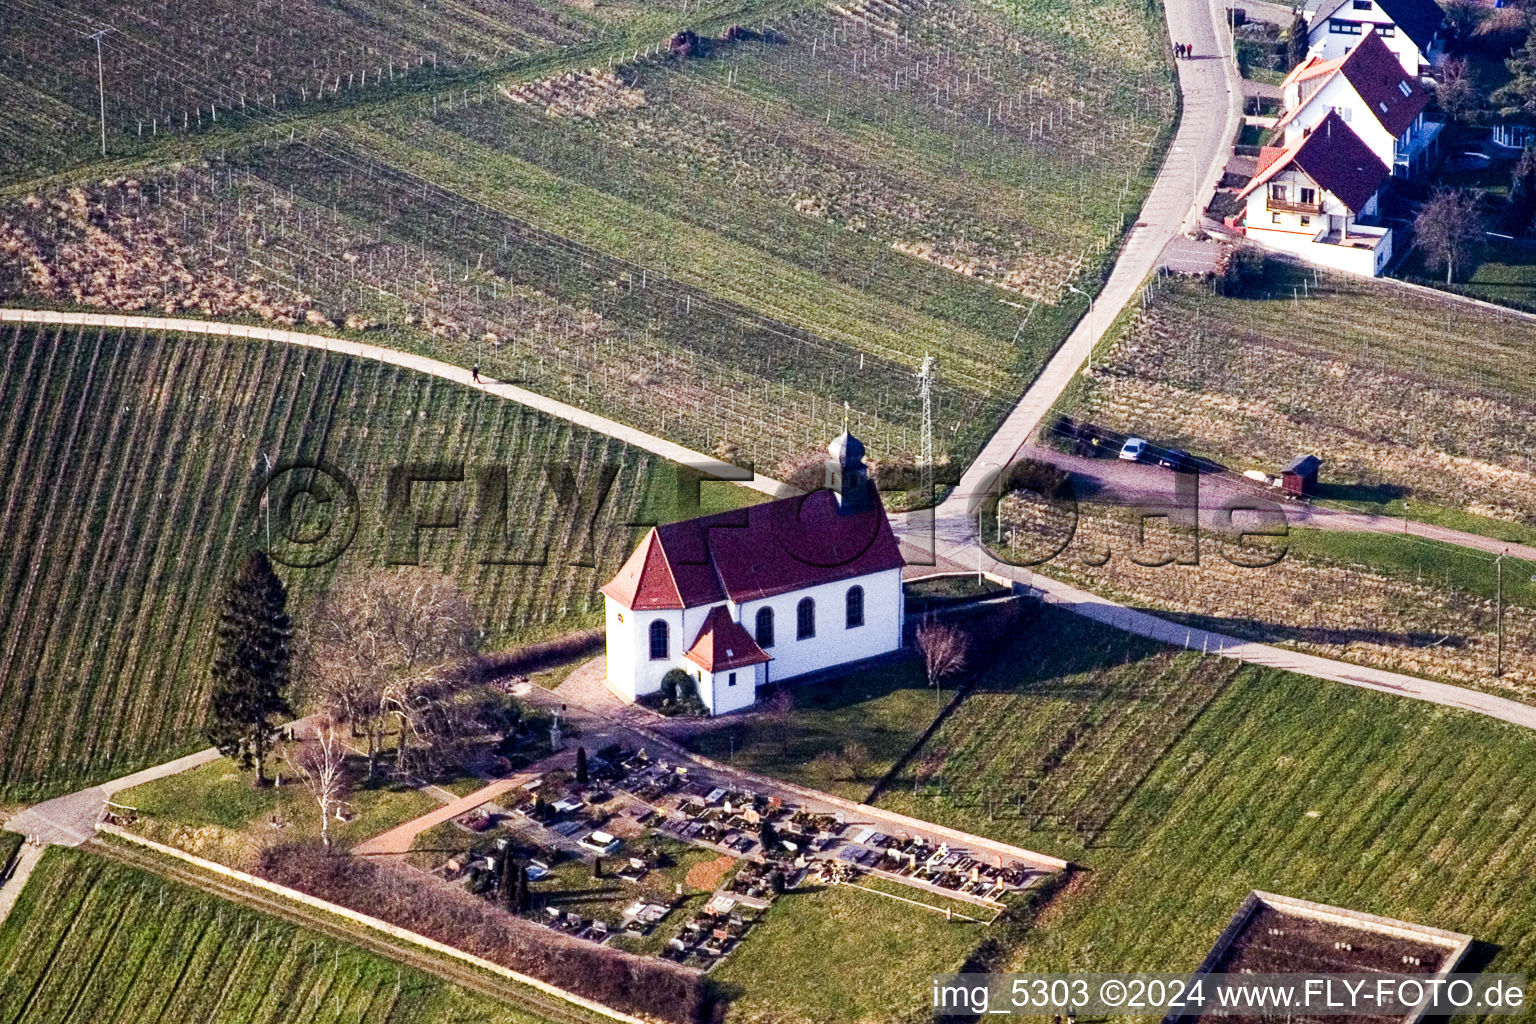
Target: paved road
[422,364]
[1212,111]
[70,820]
[1212,98]
[958,551]
[26,860]
[1114,482]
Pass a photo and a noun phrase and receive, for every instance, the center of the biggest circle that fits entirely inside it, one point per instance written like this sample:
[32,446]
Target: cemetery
[631,857]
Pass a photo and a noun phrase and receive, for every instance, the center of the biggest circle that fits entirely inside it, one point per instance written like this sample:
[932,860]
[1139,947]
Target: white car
[1133,449]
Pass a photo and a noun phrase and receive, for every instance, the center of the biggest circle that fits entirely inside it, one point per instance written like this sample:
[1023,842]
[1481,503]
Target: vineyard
[93,940]
[1399,603]
[1058,734]
[1054,734]
[172,68]
[1317,791]
[723,249]
[136,466]
[1441,396]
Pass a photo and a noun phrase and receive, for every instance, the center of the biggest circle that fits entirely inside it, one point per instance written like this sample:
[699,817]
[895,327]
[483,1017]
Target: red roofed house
[1309,196]
[1369,90]
[762,594]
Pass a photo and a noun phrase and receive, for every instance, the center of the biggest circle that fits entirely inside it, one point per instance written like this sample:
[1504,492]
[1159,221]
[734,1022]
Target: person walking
[474,373]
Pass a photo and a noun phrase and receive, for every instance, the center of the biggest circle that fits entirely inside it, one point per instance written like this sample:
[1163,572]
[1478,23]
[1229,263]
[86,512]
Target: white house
[762,594]
[1369,90]
[1310,196]
[1412,29]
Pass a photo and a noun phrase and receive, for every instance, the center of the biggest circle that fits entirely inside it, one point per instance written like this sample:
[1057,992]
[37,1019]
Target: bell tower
[847,477]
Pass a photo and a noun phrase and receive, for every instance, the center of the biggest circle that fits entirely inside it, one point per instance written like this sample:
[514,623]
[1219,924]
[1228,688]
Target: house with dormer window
[1317,198]
[759,595]
[1413,30]
[1369,91]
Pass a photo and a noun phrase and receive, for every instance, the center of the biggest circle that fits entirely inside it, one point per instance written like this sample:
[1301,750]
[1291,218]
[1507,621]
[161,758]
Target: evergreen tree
[1522,194]
[768,836]
[1518,95]
[524,895]
[250,667]
[506,877]
[1296,41]
[581,766]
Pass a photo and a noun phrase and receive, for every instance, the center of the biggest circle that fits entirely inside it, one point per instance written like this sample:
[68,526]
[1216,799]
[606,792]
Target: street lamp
[1074,288]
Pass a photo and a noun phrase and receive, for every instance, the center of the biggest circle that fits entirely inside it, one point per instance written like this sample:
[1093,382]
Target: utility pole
[1498,656]
[925,378]
[101,87]
[266,503]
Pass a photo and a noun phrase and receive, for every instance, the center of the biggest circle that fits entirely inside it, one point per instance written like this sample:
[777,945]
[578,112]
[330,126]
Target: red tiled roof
[1310,68]
[724,644]
[1333,156]
[645,581]
[755,552]
[1377,77]
[1267,156]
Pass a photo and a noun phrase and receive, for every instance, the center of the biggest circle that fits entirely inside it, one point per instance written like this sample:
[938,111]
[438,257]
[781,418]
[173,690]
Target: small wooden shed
[1300,477]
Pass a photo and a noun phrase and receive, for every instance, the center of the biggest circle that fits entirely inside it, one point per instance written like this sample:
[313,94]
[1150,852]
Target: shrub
[487,668]
[673,683]
[398,894]
[1244,272]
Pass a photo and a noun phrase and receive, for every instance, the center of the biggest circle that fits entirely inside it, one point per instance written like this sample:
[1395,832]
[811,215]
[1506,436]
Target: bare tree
[1456,89]
[855,757]
[1450,228]
[380,646]
[944,650]
[779,714]
[321,763]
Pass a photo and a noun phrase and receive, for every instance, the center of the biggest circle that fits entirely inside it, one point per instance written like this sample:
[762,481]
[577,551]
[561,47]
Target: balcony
[1283,206]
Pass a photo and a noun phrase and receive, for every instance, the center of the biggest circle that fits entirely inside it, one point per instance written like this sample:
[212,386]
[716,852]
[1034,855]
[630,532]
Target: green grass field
[1318,791]
[1504,272]
[837,953]
[882,709]
[91,940]
[1055,734]
[215,812]
[136,469]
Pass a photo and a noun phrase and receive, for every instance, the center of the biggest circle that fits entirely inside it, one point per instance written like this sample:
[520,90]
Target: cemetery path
[398,840]
[1212,98]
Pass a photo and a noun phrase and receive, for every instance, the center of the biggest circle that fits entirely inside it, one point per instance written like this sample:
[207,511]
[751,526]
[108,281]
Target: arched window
[805,619]
[659,640]
[855,604]
[765,627]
